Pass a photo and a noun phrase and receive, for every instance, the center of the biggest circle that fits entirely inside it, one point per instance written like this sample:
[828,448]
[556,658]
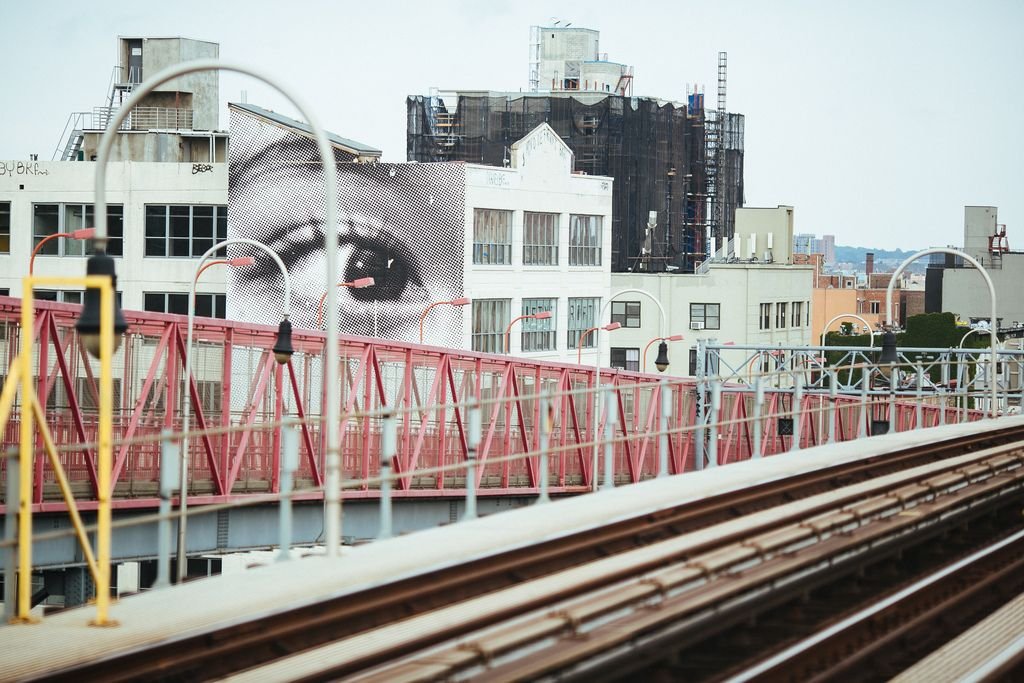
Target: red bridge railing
[240,396]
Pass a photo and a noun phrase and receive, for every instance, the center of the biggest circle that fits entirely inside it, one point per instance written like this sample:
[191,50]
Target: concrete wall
[160,53]
[165,147]
[777,221]
[130,184]
[739,289]
[964,291]
[979,225]
[559,45]
[540,179]
[828,303]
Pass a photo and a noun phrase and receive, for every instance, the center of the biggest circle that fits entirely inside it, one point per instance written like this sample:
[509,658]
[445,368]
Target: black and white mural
[401,224]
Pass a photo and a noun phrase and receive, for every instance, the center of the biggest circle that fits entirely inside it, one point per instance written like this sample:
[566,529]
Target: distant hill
[885,259]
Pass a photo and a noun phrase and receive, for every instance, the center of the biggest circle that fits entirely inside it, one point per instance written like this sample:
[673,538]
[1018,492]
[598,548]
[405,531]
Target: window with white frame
[540,239]
[875,306]
[492,237]
[780,315]
[625,359]
[51,219]
[708,315]
[64,296]
[585,240]
[207,305]
[184,231]
[798,310]
[626,313]
[539,335]
[582,316]
[5,227]
[766,317]
[490,320]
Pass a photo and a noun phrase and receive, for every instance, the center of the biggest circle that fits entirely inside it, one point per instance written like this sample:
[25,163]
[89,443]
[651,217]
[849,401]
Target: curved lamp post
[461,301]
[661,362]
[282,352]
[83,234]
[848,315]
[332,482]
[354,284]
[543,315]
[992,298]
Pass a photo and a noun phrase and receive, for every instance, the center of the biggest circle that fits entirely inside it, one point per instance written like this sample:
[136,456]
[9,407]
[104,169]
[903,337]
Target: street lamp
[282,351]
[332,409]
[543,315]
[579,345]
[461,301]
[82,234]
[992,299]
[354,284]
[661,362]
[868,327]
[88,325]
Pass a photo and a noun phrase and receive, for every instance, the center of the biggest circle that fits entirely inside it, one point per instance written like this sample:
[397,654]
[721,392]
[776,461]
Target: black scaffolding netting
[654,150]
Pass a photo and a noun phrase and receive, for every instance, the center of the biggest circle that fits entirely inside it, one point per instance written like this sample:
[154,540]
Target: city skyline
[877,123]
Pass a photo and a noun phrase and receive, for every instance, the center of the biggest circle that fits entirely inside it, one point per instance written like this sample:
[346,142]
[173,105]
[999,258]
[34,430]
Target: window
[50,219]
[874,306]
[797,318]
[625,359]
[540,239]
[181,231]
[707,314]
[584,240]
[539,335]
[582,316]
[780,315]
[626,313]
[766,316]
[5,291]
[73,296]
[207,305]
[5,227]
[492,237]
[490,320]
[807,314]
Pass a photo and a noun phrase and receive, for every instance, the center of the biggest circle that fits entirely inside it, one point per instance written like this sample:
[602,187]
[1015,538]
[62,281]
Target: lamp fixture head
[361,283]
[661,362]
[88,324]
[283,348]
[543,315]
[611,326]
[461,301]
[889,355]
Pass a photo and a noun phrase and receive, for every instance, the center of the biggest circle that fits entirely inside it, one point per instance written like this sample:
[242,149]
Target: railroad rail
[622,591]
[666,608]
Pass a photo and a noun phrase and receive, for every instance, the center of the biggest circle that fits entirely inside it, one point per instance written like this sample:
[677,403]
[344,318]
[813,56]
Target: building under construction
[678,167]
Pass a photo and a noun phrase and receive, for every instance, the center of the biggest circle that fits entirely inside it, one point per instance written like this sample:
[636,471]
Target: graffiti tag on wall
[13,168]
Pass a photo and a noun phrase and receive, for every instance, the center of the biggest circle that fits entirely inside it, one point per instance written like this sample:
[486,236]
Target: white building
[754,295]
[160,215]
[556,254]
[568,58]
[166,188]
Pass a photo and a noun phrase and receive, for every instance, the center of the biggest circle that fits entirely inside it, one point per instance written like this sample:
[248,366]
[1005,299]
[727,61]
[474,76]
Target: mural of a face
[401,224]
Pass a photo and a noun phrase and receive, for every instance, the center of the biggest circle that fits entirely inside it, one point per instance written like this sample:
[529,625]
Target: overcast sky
[877,120]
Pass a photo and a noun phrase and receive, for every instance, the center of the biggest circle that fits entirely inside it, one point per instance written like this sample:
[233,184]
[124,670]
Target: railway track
[628,586]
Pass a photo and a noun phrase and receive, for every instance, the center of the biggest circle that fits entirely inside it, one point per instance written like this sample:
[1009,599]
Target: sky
[877,120]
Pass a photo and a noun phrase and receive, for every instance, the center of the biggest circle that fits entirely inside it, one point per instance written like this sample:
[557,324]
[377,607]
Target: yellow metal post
[25,458]
[101,574]
[104,451]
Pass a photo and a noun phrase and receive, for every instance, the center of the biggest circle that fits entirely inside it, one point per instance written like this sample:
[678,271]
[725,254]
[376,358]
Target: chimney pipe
[869,266]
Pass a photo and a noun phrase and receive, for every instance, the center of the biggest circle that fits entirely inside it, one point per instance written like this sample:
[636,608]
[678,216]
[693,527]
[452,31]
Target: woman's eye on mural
[402,225]
[391,272]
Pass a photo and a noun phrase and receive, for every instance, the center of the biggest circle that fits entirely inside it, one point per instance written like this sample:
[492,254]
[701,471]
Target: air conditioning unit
[696,326]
